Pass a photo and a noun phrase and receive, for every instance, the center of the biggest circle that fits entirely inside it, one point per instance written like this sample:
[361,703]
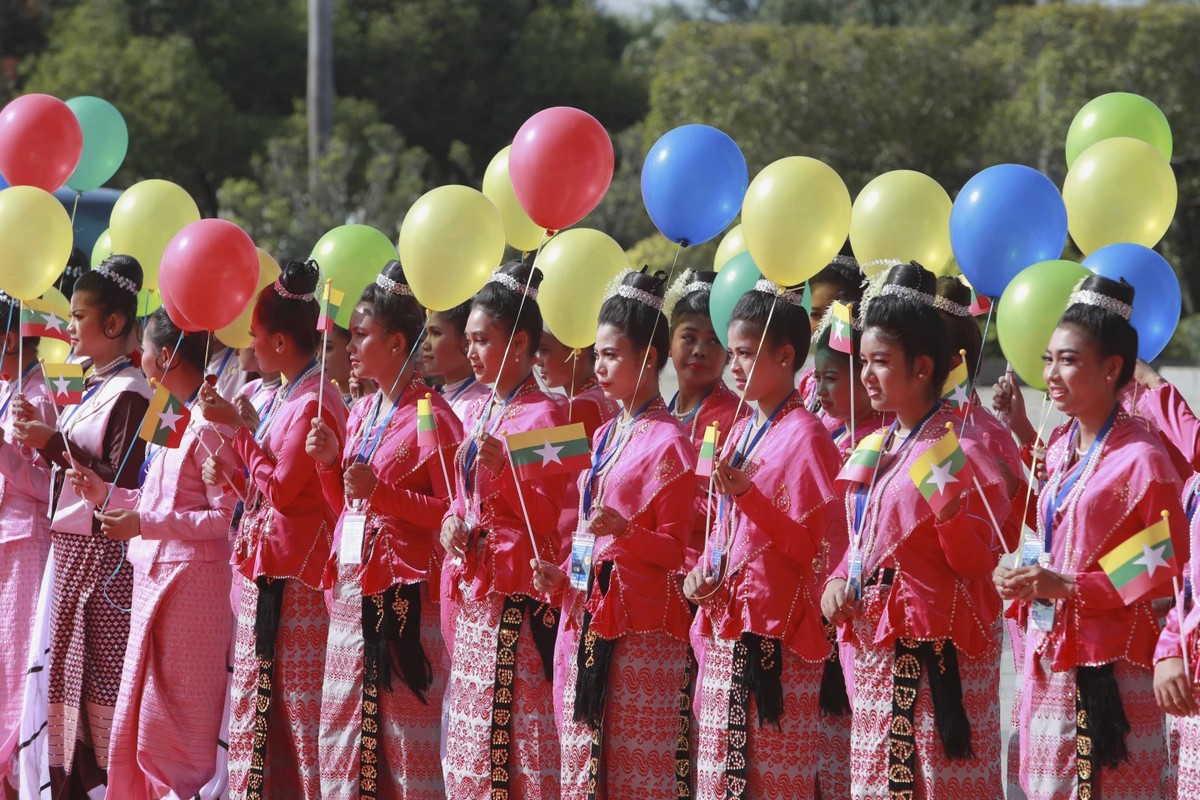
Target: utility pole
[320,82]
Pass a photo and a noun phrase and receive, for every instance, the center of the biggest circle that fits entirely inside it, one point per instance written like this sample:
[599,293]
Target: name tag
[1041,615]
[582,545]
[354,529]
[854,579]
[1032,553]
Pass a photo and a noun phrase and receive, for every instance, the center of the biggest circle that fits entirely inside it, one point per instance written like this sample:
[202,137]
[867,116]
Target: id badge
[1031,552]
[716,556]
[354,529]
[1041,615]
[854,579]
[582,545]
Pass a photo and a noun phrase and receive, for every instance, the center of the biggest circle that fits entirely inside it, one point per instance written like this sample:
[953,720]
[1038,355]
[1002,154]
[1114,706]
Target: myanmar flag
[861,465]
[331,304]
[65,382]
[708,452]
[941,472]
[550,451]
[980,304]
[38,318]
[841,330]
[1142,562]
[426,432]
[166,419]
[956,391]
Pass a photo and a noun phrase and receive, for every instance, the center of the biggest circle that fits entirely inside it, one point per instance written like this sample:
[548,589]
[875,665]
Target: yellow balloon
[950,268]
[795,218]
[733,243]
[37,237]
[520,231]
[146,218]
[237,333]
[1119,190]
[450,243]
[903,215]
[578,265]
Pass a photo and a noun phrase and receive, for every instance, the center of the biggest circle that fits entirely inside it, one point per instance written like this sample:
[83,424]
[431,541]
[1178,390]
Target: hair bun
[300,277]
[393,270]
[655,283]
[125,266]
[524,273]
[912,276]
[954,290]
[1121,290]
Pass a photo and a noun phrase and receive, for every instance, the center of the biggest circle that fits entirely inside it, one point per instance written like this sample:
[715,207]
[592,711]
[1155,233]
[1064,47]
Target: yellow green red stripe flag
[65,382]
[426,432]
[956,391]
[1141,563]
[708,451]
[331,304]
[166,419]
[863,462]
[550,451]
[941,472]
[841,329]
[38,318]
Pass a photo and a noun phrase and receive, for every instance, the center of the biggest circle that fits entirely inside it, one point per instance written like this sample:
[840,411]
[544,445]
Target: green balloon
[1118,114]
[102,249]
[1029,311]
[737,277]
[105,142]
[352,256]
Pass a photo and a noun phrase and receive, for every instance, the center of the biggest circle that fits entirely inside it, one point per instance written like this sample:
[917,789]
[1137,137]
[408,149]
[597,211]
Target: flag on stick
[65,382]
[841,329]
[980,304]
[38,318]
[957,389]
[863,462]
[426,430]
[1142,563]
[331,304]
[708,451]
[166,419]
[549,451]
[942,471]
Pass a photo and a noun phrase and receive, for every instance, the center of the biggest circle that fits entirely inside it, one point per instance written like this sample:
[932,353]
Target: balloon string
[1033,453]
[74,208]
[986,326]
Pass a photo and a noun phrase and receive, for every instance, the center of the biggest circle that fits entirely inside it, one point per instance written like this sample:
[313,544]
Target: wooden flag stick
[211,454]
[442,456]
[324,344]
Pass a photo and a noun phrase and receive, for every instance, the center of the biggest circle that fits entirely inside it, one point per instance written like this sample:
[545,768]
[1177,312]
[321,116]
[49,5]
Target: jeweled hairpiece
[285,294]
[1089,298]
[789,296]
[697,286]
[511,283]
[118,279]
[642,296]
[950,307]
[910,294]
[393,287]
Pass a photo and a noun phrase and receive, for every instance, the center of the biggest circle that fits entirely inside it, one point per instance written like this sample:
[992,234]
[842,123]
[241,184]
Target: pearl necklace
[280,400]
[1070,557]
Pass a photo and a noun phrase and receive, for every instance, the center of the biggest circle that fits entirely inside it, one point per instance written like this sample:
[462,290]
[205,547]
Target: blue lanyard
[1193,494]
[691,414]
[364,453]
[473,447]
[467,384]
[282,394]
[224,362]
[862,492]
[1053,503]
[743,451]
[12,392]
[600,461]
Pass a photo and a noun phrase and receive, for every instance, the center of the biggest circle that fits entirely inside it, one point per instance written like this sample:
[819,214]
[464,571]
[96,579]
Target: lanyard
[742,452]
[12,392]
[365,453]
[281,396]
[1055,502]
[691,414]
[467,384]
[600,462]
[473,447]
[862,493]
[224,362]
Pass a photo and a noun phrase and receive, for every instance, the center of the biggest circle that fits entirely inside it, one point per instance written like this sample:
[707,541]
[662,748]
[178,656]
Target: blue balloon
[3,183]
[693,183]
[1156,298]
[1005,219]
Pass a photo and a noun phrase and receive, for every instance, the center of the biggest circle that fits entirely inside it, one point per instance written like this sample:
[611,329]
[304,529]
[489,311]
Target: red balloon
[209,272]
[181,322]
[40,142]
[561,164]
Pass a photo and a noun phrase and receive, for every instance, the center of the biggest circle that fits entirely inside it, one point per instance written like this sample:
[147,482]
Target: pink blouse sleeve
[208,522]
[664,545]
[1170,641]
[419,508]
[282,481]
[1175,420]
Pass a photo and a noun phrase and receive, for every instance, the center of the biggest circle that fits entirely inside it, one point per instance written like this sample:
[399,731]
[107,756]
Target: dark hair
[108,295]
[644,325]
[910,322]
[192,348]
[77,264]
[457,316]
[695,302]
[789,323]
[397,313]
[963,330]
[1109,331]
[505,306]
[822,342]
[10,308]
[296,319]
[844,273]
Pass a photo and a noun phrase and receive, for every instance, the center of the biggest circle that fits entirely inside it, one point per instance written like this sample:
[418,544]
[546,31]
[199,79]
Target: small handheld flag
[863,462]
[38,318]
[549,451]
[65,382]
[980,304]
[166,419]
[708,451]
[941,472]
[426,430]
[956,390]
[331,304]
[841,330]
[1142,563]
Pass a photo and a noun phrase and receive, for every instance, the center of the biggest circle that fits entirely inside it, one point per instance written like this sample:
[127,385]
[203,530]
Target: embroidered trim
[1089,298]
[509,282]
[792,298]
[393,287]
[286,295]
[641,296]
[737,750]
[502,696]
[119,280]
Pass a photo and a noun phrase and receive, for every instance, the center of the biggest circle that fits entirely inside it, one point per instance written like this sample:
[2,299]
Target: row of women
[407,619]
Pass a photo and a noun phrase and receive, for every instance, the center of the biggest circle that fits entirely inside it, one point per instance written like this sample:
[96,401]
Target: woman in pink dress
[444,355]
[627,622]
[385,664]
[574,372]
[173,686]
[1089,723]
[913,591]
[500,735]
[24,528]
[281,548]
[93,580]
[763,645]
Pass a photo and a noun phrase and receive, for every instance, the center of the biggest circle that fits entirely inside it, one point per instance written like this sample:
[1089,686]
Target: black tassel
[835,702]
[1101,700]
[764,676]
[945,689]
[391,623]
[267,614]
[543,624]
[592,659]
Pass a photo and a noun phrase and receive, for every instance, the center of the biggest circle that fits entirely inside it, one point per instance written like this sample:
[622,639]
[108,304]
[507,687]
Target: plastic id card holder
[354,529]
[582,545]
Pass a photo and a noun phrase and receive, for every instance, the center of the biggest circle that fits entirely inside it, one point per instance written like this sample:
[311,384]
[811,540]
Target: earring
[920,376]
[1108,378]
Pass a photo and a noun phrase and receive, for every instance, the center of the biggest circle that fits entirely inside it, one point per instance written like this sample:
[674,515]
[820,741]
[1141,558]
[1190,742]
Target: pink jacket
[24,475]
